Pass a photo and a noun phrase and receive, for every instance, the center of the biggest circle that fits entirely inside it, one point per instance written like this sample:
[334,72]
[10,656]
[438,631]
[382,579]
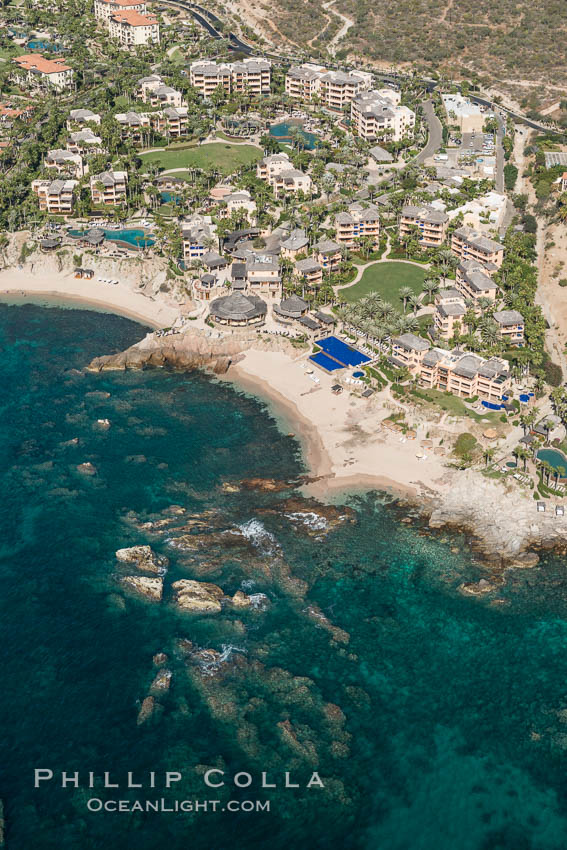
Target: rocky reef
[150,588]
[144,559]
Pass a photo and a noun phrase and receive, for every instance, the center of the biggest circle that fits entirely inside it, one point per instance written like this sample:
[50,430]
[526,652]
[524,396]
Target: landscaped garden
[225,158]
[386,279]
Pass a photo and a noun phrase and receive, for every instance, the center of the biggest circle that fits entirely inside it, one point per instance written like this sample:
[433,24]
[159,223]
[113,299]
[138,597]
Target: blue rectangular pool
[341,352]
[325,362]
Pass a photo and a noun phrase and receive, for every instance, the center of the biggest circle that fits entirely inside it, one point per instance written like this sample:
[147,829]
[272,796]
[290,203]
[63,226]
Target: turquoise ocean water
[435,721]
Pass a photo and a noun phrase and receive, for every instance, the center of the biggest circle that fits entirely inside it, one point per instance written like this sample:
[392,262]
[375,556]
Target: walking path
[347,24]
[384,259]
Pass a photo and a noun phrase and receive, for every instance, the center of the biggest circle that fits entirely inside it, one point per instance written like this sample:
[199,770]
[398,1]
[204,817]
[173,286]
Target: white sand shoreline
[16,284]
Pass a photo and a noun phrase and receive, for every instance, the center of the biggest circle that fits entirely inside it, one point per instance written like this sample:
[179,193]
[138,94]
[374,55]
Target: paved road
[435,130]
[499,175]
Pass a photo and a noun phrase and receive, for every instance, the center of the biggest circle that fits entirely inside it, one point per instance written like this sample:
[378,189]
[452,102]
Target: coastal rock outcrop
[198,596]
[151,588]
[146,710]
[190,350]
[144,559]
[161,682]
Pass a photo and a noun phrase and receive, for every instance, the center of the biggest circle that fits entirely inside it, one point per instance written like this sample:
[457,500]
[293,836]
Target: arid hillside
[512,43]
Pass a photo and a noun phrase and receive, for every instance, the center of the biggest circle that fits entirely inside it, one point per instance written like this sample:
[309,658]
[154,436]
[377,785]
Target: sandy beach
[345,443]
[45,286]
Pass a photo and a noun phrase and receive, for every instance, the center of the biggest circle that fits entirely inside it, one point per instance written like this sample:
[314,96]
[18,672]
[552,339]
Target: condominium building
[104,9]
[295,244]
[199,235]
[448,315]
[133,29]
[252,76]
[333,88]
[79,117]
[55,196]
[374,116]
[473,282]
[176,120]
[240,201]
[359,222]
[464,375]
[430,222]
[64,161]
[83,142]
[154,91]
[469,244]
[133,124]
[309,272]
[109,188]
[38,73]
[328,254]
[277,170]
[264,276]
[511,326]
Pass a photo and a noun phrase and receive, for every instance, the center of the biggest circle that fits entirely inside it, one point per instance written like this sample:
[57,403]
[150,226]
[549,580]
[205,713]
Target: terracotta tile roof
[134,19]
[31,61]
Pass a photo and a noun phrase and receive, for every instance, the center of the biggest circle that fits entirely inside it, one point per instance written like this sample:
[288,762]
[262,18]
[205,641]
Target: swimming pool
[170,198]
[554,457]
[341,352]
[325,362]
[134,237]
[44,45]
[281,133]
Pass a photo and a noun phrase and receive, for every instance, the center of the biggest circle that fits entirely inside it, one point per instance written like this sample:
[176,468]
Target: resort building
[333,89]
[132,29]
[464,375]
[431,224]
[55,196]
[282,177]
[296,243]
[79,117]
[240,201]
[154,91]
[238,310]
[65,162]
[448,317]
[328,254]
[103,9]
[84,142]
[469,244]
[252,76]
[473,282]
[38,73]
[511,326]
[109,188]
[308,272]
[199,235]
[289,309]
[409,350]
[263,274]
[172,121]
[359,222]
[374,116]
[133,124]
[464,114]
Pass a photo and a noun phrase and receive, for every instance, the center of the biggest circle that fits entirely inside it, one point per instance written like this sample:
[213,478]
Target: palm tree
[405,293]
[414,303]
[489,332]
[430,287]
[488,454]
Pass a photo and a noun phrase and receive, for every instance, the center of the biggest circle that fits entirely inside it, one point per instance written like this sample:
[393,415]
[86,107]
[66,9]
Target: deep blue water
[435,721]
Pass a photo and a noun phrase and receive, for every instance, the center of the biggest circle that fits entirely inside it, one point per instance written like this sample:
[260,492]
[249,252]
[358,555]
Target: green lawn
[387,279]
[227,158]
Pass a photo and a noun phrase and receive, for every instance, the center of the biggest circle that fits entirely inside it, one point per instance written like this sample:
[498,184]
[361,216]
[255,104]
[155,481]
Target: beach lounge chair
[559,510]
[541,507]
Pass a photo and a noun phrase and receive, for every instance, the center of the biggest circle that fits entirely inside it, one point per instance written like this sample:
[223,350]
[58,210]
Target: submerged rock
[269,484]
[151,588]
[477,589]
[86,468]
[144,558]
[159,659]
[198,596]
[146,711]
